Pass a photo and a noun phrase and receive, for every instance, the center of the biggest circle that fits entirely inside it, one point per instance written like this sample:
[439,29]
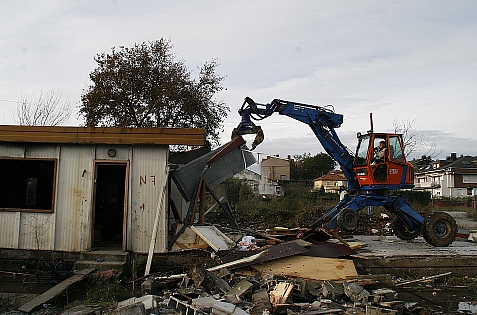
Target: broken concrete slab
[414,258]
[261,302]
[224,308]
[149,302]
[84,310]
[240,288]
[332,290]
[203,303]
[132,309]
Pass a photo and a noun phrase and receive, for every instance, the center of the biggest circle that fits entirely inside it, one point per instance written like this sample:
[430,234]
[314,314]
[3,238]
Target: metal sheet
[9,233]
[74,197]
[187,177]
[36,231]
[12,150]
[212,236]
[329,250]
[147,175]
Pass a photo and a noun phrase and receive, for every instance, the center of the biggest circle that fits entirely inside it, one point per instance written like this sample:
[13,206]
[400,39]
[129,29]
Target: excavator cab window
[362,151]
[395,149]
[380,150]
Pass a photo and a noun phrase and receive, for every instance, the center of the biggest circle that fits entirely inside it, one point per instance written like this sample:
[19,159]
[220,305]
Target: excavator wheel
[348,220]
[401,231]
[439,229]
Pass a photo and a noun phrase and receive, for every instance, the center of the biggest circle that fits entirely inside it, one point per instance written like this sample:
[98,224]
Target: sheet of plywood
[315,268]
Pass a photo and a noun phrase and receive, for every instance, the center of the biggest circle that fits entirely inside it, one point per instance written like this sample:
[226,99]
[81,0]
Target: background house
[276,168]
[71,189]
[452,177]
[331,182]
[260,185]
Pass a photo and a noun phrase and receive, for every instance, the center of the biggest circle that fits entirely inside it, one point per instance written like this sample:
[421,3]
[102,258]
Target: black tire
[401,231]
[348,220]
[439,229]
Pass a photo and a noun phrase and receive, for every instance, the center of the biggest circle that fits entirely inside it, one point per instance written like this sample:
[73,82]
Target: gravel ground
[463,222]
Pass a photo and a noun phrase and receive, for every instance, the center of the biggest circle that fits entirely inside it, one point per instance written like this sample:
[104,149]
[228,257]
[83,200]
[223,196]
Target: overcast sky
[412,61]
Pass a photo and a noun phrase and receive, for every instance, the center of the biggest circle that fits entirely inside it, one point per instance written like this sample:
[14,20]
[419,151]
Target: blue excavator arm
[439,229]
[322,120]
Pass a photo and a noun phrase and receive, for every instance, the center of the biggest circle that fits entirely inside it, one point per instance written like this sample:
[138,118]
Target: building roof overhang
[102,135]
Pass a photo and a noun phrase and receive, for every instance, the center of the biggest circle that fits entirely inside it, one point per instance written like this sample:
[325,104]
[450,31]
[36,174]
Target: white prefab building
[73,189]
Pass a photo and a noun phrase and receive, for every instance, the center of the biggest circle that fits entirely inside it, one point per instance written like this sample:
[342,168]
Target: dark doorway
[109,205]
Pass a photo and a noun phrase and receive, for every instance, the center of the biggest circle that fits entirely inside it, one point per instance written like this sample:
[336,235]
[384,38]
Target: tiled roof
[333,175]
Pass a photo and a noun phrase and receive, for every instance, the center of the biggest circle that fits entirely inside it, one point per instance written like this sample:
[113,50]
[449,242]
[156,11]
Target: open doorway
[109,205]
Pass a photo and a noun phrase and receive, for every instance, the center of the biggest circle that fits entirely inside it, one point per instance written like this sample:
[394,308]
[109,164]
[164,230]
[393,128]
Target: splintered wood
[281,293]
[314,268]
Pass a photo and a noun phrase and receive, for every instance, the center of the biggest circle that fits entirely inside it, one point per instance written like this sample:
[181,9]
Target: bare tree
[48,109]
[37,229]
[414,142]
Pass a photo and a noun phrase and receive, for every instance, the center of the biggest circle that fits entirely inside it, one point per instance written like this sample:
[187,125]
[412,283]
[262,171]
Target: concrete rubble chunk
[203,303]
[385,295]
[133,309]
[373,310]
[149,302]
[261,302]
[149,286]
[83,310]
[332,290]
[355,292]
[239,289]
[223,308]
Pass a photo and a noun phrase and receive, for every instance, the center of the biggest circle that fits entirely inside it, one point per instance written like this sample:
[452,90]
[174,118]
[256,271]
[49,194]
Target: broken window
[27,184]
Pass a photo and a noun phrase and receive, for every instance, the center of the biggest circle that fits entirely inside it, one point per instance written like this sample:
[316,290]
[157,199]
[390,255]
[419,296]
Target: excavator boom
[370,177]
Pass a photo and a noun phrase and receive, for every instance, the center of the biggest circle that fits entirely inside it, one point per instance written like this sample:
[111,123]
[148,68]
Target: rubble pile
[282,272]
[250,292]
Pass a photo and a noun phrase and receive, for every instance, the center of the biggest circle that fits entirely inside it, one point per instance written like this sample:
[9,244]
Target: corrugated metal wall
[147,179]
[73,198]
[69,227]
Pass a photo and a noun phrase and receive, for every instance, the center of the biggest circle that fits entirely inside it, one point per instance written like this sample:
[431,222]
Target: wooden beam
[106,135]
[55,291]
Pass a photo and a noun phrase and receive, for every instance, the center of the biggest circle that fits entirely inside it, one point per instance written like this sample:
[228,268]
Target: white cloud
[397,59]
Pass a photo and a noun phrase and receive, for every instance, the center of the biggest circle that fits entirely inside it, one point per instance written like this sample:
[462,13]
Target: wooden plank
[55,291]
[237,262]
[315,268]
[152,244]
[109,135]
[281,293]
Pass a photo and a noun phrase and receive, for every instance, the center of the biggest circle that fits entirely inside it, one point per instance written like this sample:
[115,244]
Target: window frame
[53,183]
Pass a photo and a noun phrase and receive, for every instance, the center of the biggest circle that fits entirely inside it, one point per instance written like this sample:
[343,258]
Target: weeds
[104,288]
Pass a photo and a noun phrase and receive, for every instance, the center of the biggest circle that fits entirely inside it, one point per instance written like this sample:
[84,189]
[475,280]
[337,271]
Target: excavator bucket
[247,126]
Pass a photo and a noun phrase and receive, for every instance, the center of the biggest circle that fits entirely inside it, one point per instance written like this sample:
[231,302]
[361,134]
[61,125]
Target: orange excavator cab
[380,162]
